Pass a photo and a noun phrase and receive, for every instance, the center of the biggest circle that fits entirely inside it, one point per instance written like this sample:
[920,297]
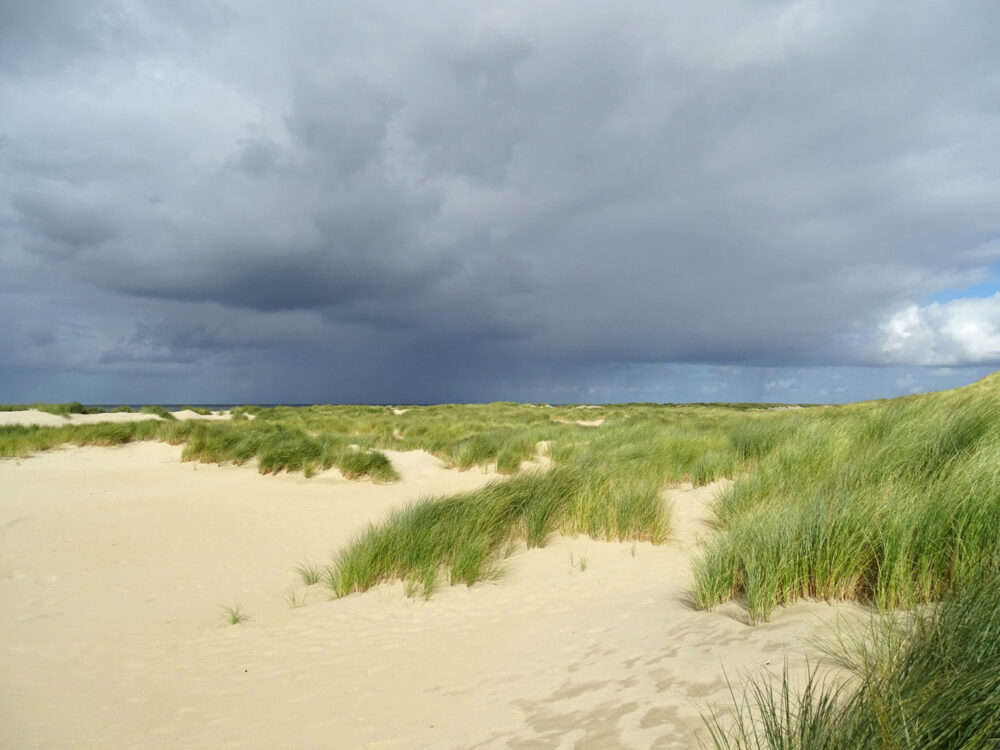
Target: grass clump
[235,615]
[108,434]
[202,410]
[354,464]
[780,717]
[23,440]
[619,504]
[712,465]
[754,438]
[310,573]
[932,681]
[885,502]
[244,412]
[278,447]
[158,411]
[123,409]
[60,410]
[512,453]
[475,450]
[275,445]
[462,537]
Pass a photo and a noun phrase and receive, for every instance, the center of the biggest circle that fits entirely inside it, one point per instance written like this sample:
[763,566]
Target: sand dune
[115,565]
[44,419]
[188,414]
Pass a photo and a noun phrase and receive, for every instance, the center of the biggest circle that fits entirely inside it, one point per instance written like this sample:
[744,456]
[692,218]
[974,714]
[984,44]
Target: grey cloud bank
[535,201]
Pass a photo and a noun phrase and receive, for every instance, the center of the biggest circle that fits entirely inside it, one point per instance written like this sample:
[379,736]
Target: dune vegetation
[202,410]
[888,502]
[931,680]
[892,503]
[60,410]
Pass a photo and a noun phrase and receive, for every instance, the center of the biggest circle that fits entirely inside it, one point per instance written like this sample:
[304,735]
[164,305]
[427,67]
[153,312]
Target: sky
[570,201]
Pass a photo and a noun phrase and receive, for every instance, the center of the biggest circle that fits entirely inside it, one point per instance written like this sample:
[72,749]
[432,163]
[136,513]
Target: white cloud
[959,332]
[781,384]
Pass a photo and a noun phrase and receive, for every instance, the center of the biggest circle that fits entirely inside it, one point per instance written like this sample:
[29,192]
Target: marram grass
[888,502]
[61,410]
[463,538]
[159,411]
[931,680]
[275,446]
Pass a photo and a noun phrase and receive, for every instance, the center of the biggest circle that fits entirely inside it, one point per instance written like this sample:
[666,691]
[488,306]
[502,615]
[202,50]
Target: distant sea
[224,407]
[178,407]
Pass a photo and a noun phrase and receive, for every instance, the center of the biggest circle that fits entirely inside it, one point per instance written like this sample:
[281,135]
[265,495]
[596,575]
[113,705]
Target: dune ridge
[29,417]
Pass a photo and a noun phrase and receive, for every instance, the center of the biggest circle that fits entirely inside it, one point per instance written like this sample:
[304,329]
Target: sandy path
[115,563]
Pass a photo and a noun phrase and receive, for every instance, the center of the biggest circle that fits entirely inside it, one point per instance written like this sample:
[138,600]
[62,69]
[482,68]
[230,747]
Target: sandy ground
[44,419]
[582,422]
[116,564]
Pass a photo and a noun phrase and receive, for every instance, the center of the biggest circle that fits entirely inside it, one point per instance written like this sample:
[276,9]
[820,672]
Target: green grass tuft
[235,615]
[355,464]
[887,502]
[464,536]
[930,682]
[158,411]
[310,573]
[60,410]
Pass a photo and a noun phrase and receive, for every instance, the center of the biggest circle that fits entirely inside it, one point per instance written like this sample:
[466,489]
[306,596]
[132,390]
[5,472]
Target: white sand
[115,564]
[582,422]
[44,419]
[188,414]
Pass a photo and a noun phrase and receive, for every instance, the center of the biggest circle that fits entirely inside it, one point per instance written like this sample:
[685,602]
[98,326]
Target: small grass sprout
[295,598]
[235,614]
[309,573]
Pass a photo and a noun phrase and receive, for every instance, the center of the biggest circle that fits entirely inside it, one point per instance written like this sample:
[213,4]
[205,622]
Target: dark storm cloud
[60,225]
[485,194]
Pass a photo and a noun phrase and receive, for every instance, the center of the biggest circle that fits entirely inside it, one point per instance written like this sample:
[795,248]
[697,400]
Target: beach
[121,567]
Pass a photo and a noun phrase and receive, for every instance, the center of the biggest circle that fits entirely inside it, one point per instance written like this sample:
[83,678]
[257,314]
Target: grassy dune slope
[891,502]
